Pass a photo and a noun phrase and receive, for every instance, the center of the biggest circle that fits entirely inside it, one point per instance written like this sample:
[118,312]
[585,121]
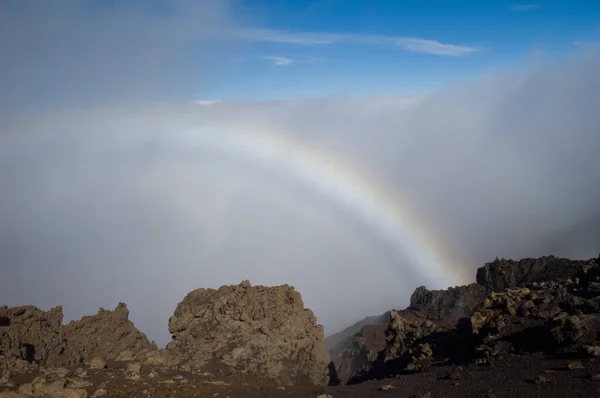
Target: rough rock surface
[502,274]
[348,333]
[357,354]
[106,335]
[250,329]
[30,337]
[453,303]
[559,312]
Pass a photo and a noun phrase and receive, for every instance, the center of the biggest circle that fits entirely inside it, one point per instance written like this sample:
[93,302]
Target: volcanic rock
[32,337]
[502,274]
[29,335]
[250,329]
[452,303]
[106,335]
[357,354]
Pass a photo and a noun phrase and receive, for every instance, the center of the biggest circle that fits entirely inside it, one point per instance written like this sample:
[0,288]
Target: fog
[129,200]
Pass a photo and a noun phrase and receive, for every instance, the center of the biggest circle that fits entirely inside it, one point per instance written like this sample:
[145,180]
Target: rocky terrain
[525,328]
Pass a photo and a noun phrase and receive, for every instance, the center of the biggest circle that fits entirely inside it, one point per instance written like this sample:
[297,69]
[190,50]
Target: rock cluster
[250,329]
[243,329]
[533,305]
[30,337]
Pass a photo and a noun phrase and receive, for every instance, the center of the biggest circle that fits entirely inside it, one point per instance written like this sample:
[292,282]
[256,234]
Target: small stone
[74,393]
[134,368]
[61,372]
[55,387]
[541,380]
[101,392]
[386,387]
[97,363]
[575,365]
[425,394]
[125,356]
[324,396]
[76,382]
[592,350]
[245,284]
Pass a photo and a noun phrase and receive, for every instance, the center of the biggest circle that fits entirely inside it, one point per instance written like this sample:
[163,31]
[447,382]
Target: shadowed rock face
[29,337]
[250,329]
[454,302]
[502,274]
[555,305]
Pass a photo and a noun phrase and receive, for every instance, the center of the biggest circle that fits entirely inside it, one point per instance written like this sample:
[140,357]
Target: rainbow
[375,204]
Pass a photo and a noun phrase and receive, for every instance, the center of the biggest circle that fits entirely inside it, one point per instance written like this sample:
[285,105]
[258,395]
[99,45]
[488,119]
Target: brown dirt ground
[511,377]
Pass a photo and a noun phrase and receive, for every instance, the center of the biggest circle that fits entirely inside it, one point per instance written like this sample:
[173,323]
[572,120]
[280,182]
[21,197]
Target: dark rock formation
[32,337]
[336,338]
[534,305]
[452,303]
[356,354]
[250,329]
[104,335]
[502,274]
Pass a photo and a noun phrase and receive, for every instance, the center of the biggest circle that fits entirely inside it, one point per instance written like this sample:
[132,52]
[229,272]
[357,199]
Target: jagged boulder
[29,335]
[106,335]
[452,303]
[32,337]
[402,334]
[502,274]
[250,329]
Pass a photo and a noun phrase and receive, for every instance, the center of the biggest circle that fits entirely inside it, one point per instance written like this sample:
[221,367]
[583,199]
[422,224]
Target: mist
[126,200]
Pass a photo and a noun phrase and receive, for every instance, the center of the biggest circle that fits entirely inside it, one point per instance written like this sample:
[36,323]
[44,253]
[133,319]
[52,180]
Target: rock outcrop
[502,274]
[452,303]
[534,305]
[106,335]
[357,354]
[30,337]
[250,329]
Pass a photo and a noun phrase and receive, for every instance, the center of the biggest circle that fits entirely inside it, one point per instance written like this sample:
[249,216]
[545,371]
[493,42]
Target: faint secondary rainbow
[379,208]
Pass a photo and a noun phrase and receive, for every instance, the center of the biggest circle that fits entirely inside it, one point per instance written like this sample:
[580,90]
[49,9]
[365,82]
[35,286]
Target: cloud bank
[138,203]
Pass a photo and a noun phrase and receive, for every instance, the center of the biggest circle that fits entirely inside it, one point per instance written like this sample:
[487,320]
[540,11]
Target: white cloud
[279,61]
[524,7]
[205,102]
[109,206]
[412,44]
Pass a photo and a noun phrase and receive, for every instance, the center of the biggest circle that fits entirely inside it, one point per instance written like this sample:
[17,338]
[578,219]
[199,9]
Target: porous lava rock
[250,329]
[106,335]
[502,274]
[30,337]
[452,303]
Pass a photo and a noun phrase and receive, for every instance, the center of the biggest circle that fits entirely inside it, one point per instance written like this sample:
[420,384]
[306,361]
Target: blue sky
[500,33]
[136,51]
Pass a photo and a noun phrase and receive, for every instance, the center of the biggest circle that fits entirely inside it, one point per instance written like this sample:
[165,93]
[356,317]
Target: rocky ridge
[514,332]
[241,329]
[30,337]
[531,305]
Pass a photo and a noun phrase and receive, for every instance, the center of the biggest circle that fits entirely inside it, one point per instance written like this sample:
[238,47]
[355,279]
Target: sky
[353,149]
